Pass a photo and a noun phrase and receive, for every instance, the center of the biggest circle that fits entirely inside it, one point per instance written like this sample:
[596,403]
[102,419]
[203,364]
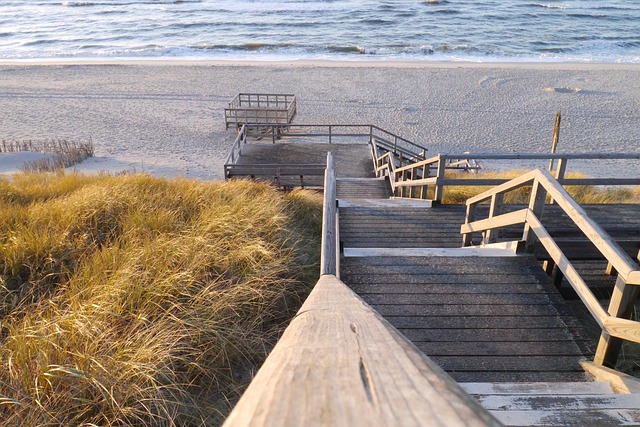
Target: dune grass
[585,194]
[65,153]
[134,300]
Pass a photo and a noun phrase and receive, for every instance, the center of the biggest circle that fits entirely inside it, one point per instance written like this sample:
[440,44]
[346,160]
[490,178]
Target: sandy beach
[166,117]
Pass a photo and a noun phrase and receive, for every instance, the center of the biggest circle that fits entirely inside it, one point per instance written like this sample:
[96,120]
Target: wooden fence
[414,180]
[257,108]
[339,363]
[614,322]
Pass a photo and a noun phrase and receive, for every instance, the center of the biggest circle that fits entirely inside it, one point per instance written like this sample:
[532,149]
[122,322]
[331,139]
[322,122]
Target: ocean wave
[120,3]
[347,49]
[547,6]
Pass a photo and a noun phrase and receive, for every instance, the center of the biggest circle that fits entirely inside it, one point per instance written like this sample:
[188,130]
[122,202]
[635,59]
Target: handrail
[418,174]
[340,363]
[329,256]
[236,147]
[327,130]
[615,327]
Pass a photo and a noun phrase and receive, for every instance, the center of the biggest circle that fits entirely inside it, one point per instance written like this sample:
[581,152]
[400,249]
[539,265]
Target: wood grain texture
[340,363]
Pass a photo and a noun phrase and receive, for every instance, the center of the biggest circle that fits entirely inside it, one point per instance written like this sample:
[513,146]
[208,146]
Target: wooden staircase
[495,324]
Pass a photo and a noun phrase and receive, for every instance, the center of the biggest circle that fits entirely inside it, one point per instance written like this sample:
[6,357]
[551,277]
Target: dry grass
[584,194]
[65,153]
[134,300]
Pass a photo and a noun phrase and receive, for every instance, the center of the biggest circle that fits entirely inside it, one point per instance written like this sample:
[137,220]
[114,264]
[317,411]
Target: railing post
[439,176]
[470,216]
[536,204]
[329,134]
[622,303]
[497,205]
[559,174]
[329,251]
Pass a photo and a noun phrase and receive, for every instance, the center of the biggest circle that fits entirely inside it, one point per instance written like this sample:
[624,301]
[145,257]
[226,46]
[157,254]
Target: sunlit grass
[140,301]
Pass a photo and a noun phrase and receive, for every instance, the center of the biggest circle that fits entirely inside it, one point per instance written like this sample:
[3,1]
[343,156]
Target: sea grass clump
[134,300]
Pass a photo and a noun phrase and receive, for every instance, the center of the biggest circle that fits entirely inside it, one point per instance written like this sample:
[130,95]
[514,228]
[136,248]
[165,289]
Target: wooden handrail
[418,178]
[329,255]
[542,184]
[339,363]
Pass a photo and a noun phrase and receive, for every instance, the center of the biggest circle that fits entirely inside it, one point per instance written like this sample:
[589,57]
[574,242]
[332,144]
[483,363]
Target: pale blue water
[472,30]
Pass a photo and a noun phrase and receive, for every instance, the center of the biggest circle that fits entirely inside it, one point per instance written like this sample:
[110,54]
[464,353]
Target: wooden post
[556,138]
[329,252]
[562,168]
[536,204]
[469,217]
[439,192]
[497,205]
[623,300]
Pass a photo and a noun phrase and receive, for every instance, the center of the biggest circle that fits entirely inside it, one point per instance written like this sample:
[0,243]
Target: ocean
[602,31]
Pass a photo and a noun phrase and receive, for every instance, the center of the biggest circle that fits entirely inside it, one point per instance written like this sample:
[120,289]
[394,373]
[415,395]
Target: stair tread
[550,402]
[559,388]
[569,417]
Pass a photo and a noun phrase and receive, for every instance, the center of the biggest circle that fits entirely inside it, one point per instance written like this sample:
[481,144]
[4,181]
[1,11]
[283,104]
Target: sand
[166,117]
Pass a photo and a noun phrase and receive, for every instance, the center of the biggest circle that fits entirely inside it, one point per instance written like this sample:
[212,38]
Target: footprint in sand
[488,81]
[562,89]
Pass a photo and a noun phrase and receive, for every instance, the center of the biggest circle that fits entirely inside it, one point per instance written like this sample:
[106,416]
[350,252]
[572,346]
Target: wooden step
[479,318]
[564,403]
[362,188]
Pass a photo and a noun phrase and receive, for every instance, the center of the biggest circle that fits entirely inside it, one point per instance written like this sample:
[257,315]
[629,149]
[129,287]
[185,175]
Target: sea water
[606,31]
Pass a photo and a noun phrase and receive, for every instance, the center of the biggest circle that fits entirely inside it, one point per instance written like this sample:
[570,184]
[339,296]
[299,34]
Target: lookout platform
[482,299]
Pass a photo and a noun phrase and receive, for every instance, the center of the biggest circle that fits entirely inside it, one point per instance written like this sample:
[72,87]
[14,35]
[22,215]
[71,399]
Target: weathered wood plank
[492,348]
[545,388]
[419,283]
[548,403]
[514,376]
[460,298]
[504,334]
[339,363]
[508,363]
[566,417]
[480,322]
[471,310]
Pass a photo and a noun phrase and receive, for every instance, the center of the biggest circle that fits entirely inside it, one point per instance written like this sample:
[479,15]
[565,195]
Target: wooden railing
[236,148]
[256,108]
[339,363]
[288,175]
[614,322]
[413,180]
[334,133]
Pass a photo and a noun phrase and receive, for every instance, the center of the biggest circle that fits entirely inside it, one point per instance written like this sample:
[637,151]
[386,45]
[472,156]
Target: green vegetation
[585,194]
[134,300]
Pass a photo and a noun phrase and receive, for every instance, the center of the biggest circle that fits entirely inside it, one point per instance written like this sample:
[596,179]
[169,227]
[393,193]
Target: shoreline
[331,63]
[165,117]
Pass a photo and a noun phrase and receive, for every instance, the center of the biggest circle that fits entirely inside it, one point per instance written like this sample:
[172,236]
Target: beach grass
[64,152]
[135,300]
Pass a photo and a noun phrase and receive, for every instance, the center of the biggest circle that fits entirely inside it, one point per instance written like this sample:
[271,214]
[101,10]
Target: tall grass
[65,153]
[135,300]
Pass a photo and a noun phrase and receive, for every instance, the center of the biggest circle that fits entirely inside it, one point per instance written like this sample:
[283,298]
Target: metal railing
[613,322]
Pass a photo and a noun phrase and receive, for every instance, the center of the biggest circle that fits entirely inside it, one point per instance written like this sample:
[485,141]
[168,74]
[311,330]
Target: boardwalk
[495,321]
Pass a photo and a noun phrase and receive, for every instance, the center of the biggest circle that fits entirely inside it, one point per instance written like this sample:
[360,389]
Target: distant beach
[166,117]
